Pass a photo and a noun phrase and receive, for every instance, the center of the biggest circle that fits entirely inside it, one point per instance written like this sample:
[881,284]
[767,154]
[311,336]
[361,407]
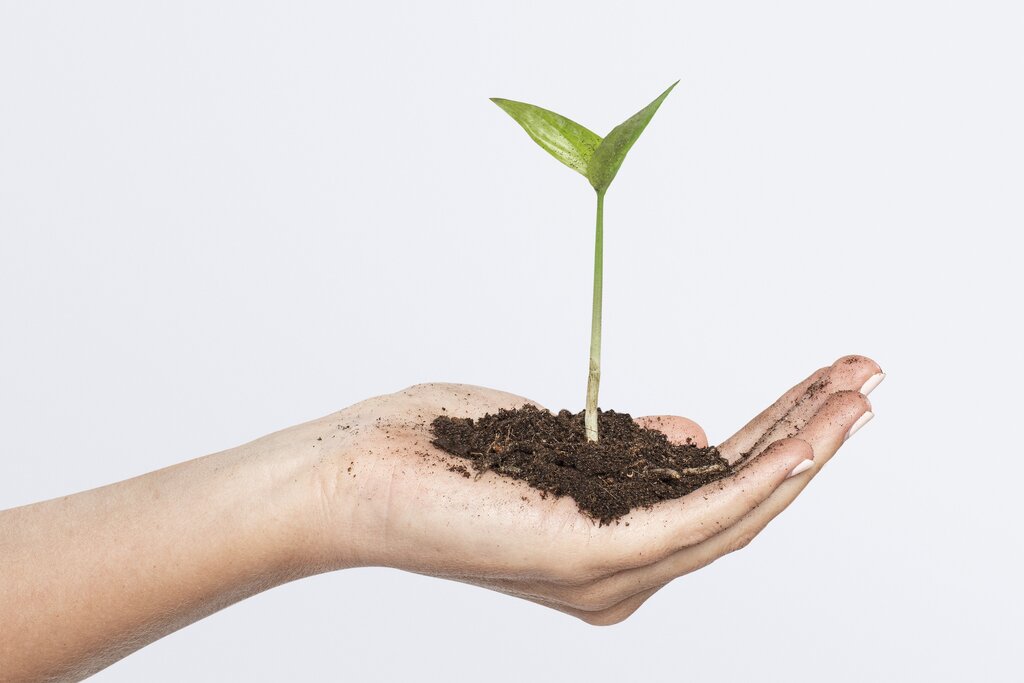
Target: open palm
[412,512]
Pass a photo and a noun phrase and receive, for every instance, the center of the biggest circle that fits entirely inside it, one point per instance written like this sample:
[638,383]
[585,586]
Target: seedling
[598,160]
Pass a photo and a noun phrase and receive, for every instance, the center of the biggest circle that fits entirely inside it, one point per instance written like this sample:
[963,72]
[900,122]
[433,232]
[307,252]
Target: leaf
[562,138]
[605,162]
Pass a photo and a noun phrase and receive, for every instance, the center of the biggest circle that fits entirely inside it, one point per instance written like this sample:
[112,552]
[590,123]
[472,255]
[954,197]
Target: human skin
[89,578]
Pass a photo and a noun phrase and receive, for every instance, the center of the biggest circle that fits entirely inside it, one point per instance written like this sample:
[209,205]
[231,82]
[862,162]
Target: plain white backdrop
[218,219]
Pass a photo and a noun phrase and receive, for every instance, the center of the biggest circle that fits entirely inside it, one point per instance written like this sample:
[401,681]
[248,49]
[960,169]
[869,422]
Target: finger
[753,433]
[788,415]
[826,432]
[679,430]
[844,413]
[646,536]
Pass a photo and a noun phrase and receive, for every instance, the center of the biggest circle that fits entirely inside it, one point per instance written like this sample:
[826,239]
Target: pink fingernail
[802,467]
[872,382]
[861,421]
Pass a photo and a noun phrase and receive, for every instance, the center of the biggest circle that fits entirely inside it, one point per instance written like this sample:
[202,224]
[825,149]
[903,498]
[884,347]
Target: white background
[219,219]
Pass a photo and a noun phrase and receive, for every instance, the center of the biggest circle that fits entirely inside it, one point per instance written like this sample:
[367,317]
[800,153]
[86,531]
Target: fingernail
[873,381]
[861,421]
[802,467]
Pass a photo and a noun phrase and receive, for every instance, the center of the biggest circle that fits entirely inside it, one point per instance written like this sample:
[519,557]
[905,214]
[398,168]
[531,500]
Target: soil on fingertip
[628,467]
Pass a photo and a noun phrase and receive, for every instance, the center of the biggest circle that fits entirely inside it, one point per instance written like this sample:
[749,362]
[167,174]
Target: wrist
[301,482]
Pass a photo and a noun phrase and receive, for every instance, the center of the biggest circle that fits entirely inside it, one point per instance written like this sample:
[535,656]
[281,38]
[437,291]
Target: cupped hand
[389,498]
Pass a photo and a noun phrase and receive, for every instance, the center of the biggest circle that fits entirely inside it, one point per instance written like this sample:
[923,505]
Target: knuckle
[594,599]
[605,618]
[573,574]
[618,611]
[617,614]
[740,541]
[849,398]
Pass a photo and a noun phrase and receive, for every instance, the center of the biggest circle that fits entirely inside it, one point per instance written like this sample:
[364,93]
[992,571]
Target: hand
[111,569]
[389,498]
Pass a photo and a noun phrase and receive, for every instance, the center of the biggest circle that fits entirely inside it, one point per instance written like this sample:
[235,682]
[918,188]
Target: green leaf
[565,140]
[605,162]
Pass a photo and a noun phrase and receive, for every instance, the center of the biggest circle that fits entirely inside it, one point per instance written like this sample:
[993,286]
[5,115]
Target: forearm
[88,578]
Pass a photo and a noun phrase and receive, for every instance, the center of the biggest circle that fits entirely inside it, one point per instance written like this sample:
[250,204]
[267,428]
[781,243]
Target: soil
[628,467]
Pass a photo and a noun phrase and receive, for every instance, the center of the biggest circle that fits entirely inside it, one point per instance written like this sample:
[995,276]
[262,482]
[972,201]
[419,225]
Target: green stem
[594,377]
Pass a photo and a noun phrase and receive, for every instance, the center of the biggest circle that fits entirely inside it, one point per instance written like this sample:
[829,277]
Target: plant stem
[594,378]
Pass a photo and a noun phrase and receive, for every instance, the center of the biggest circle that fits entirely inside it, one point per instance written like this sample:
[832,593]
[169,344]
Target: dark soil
[629,467]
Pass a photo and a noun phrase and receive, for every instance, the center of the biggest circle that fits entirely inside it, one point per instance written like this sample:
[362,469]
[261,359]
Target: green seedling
[598,160]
